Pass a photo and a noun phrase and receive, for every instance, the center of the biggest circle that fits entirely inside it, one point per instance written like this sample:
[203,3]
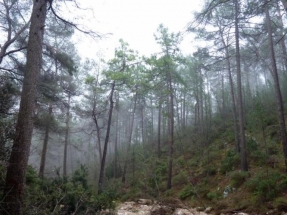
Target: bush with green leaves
[65,195]
[187,191]
[229,162]
[180,178]
[267,187]
[238,178]
[214,195]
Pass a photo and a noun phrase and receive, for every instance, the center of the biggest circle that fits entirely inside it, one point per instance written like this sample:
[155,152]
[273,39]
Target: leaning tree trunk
[278,94]
[103,162]
[244,165]
[16,171]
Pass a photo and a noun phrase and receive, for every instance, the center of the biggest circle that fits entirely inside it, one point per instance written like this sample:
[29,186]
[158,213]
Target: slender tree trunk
[45,144]
[184,110]
[159,130]
[16,171]
[223,96]
[66,143]
[103,163]
[116,138]
[282,41]
[234,113]
[97,130]
[244,165]
[129,139]
[171,135]
[143,124]
[278,94]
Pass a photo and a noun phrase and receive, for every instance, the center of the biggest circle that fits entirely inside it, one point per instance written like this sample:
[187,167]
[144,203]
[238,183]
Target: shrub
[63,195]
[187,191]
[214,195]
[210,171]
[229,162]
[180,178]
[267,187]
[238,178]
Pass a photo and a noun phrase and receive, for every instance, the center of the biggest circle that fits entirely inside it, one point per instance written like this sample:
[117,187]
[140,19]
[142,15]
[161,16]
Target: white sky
[135,21]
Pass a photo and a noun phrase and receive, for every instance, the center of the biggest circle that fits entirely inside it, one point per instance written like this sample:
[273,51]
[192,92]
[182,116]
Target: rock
[161,210]
[145,201]
[208,209]
[241,213]
[199,208]
[124,212]
[181,211]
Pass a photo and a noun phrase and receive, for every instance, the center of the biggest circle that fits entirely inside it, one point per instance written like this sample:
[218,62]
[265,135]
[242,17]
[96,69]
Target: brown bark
[16,171]
[244,165]
[278,94]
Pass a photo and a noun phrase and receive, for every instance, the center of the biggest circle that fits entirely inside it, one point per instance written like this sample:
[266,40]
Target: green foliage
[63,195]
[161,168]
[214,195]
[210,170]
[251,145]
[187,191]
[180,178]
[267,187]
[229,162]
[238,178]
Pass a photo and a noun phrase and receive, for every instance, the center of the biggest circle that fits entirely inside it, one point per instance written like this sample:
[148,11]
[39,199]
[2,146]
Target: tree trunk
[244,165]
[234,113]
[97,130]
[103,163]
[129,139]
[278,94]
[116,138]
[16,171]
[45,144]
[67,130]
[171,135]
[159,130]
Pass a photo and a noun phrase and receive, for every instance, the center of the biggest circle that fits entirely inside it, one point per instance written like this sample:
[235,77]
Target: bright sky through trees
[136,22]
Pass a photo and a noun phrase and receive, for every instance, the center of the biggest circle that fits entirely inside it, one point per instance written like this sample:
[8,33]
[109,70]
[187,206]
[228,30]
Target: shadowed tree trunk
[16,171]
[244,165]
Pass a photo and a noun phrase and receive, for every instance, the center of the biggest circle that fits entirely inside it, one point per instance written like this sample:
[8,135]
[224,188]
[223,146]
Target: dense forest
[207,129]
